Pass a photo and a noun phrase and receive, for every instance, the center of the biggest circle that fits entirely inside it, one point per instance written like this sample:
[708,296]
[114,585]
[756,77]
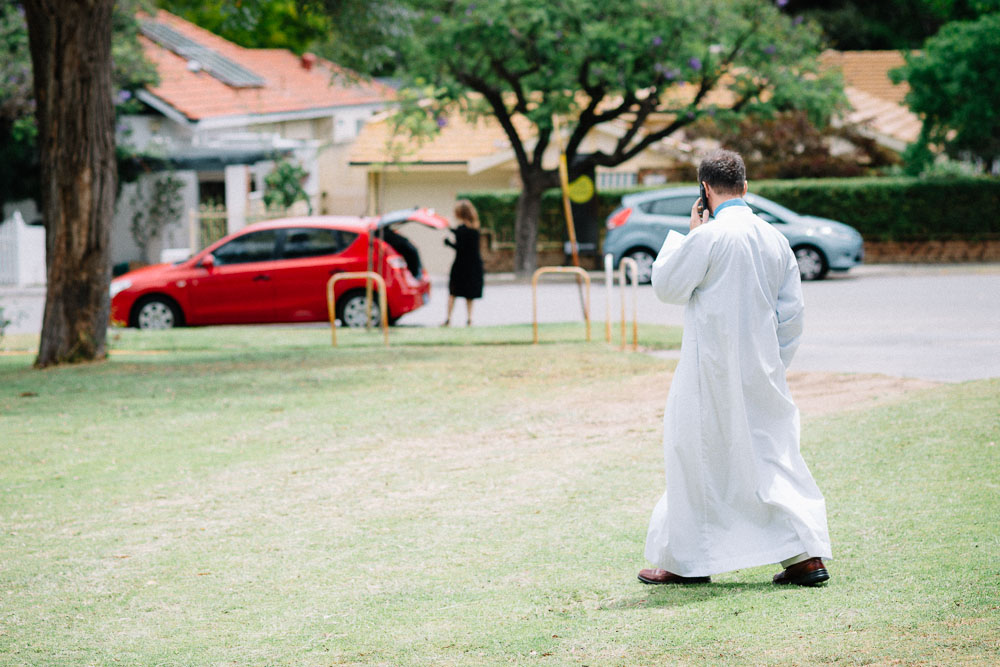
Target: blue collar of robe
[729,202]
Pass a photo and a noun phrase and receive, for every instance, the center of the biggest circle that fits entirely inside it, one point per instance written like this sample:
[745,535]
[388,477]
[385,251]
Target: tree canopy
[651,67]
[955,87]
[259,24]
[19,163]
[887,24]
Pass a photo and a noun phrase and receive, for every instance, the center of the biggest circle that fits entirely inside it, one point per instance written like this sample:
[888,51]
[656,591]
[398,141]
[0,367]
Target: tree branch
[495,99]
[514,80]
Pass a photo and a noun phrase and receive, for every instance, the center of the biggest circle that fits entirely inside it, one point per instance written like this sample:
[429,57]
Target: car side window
[766,216]
[675,206]
[315,242]
[252,247]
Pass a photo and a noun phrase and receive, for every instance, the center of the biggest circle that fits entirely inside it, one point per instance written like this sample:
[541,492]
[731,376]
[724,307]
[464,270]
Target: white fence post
[22,252]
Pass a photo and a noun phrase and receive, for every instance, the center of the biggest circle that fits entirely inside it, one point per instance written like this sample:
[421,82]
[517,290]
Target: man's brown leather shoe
[810,572]
[664,577]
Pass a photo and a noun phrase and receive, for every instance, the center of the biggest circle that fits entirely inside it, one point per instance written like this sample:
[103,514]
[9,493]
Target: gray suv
[637,228]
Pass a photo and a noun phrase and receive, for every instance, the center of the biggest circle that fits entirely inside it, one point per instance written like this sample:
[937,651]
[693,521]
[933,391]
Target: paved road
[931,322]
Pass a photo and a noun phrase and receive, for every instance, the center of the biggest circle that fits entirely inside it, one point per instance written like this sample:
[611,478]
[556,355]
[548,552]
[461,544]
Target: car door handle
[263,276]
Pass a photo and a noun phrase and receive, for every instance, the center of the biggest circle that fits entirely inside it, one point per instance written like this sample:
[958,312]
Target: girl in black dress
[466,278]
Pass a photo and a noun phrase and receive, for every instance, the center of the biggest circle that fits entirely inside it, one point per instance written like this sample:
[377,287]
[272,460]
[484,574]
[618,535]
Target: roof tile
[290,86]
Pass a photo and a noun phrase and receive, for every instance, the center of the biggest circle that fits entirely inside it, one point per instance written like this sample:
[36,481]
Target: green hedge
[882,209]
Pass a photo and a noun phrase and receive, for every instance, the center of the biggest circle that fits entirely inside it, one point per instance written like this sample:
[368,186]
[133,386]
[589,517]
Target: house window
[615,179]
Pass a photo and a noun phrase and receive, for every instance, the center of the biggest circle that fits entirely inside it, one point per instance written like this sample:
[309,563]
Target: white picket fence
[22,252]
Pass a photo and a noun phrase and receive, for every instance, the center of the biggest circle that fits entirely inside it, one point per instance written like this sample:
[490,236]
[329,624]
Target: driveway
[933,322]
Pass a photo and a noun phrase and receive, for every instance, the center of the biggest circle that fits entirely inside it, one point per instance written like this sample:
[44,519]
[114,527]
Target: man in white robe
[738,492]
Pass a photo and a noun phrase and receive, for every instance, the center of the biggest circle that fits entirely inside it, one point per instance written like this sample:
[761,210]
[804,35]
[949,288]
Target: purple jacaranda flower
[124,96]
[671,74]
[657,40]
[436,20]
[695,64]
[659,68]
[770,49]
[797,20]
[781,3]
[441,121]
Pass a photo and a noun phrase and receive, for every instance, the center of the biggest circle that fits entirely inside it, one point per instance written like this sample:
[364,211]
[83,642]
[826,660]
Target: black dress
[466,278]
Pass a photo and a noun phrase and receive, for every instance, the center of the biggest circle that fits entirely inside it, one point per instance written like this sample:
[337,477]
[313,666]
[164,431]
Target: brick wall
[930,252]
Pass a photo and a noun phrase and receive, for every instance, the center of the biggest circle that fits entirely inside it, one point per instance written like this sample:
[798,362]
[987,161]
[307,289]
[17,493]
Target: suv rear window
[676,206]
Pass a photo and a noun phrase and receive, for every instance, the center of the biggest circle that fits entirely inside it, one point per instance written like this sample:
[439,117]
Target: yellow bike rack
[382,304]
[534,294]
[631,264]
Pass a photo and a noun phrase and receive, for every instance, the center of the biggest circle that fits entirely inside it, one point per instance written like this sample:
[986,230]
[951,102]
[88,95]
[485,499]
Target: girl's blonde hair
[466,212]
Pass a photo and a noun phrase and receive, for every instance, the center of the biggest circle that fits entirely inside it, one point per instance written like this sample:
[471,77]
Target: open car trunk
[386,227]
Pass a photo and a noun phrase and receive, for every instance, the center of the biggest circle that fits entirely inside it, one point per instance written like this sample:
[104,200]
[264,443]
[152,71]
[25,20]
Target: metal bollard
[383,305]
[628,262]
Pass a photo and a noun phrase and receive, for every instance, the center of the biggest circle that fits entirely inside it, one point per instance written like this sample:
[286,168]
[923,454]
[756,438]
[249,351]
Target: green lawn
[253,496]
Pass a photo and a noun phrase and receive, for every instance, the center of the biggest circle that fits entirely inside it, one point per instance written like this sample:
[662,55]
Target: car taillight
[619,218]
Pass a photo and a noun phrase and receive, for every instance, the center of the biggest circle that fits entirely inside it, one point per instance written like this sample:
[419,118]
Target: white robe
[738,492]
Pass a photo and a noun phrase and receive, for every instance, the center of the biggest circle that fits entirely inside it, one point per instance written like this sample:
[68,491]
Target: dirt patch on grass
[815,393]
[819,394]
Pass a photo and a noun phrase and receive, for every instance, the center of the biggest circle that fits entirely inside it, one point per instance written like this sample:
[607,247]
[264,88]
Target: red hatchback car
[277,271]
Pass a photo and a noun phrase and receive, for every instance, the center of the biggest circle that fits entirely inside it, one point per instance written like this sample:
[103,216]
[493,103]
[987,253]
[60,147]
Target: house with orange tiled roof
[877,105]
[221,114]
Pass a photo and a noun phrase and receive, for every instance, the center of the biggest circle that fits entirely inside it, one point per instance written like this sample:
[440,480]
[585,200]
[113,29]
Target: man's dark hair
[724,171]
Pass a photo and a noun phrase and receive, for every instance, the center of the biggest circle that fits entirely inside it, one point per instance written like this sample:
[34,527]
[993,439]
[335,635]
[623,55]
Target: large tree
[70,43]
[651,67]
[54,145]
[955,88]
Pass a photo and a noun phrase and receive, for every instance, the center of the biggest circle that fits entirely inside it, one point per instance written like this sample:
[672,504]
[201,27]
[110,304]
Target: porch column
[237,191]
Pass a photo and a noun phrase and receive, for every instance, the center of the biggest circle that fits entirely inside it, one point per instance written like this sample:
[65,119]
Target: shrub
[898,209]
[882,209]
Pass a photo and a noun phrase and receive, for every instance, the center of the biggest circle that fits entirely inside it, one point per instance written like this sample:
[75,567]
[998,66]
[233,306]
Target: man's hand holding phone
[700,211]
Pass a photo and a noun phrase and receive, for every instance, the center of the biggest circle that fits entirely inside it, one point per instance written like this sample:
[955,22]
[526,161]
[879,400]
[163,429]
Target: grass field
[252,496]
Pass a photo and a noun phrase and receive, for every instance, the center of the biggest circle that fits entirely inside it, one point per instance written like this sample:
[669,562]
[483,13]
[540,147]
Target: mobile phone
[703,204]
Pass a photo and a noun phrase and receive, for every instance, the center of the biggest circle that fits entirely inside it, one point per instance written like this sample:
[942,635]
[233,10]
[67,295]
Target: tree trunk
[529,209]
[71,54]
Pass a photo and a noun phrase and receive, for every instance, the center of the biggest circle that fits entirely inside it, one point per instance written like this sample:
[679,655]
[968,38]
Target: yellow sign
[581,190]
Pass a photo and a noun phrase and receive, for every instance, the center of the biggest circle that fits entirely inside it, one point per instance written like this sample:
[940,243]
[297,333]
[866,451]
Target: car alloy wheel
[352,313]
[812,264]
[644,263]
[156,314]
